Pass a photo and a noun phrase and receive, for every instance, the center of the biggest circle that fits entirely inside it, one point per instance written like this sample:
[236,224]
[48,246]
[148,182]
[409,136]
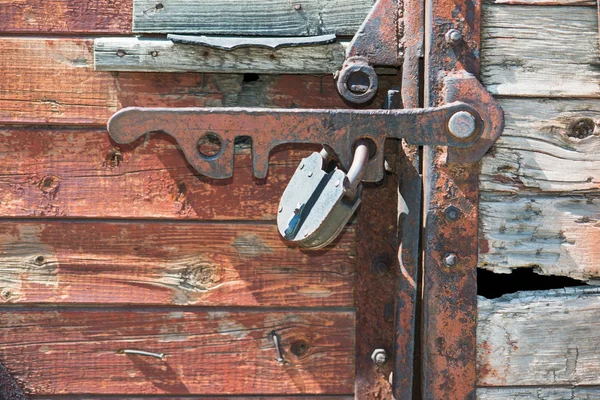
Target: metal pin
[160,356]
[276,341]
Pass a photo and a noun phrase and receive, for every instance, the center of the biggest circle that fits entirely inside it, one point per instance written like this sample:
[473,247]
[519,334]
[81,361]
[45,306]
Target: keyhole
[209,145]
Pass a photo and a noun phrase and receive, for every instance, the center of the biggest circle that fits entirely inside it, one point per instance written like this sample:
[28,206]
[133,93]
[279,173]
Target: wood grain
[295,397]
[539,188]
[207,264]
[536,393]
[540,338]
[34,95]
[66,16]
[150,55]
[549,146]
[554,235]
[206,352]
[541,52]
[263,17]
[81,173]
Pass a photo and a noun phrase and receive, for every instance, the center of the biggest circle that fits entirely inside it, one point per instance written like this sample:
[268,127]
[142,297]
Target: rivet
[154,53]
[337,183]
[310,173]
[379,356]
[452,213]
[453,36]
[450,259]
[280,208]
[298,6]
[121,53]
[462,124]
[301,165]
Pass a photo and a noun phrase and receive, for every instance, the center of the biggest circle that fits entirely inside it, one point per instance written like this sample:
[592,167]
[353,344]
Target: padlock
[317,204]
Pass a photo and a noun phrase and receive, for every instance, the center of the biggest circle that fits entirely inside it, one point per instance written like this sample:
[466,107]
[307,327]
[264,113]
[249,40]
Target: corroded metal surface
[451,180]
[337,129]
[377,38]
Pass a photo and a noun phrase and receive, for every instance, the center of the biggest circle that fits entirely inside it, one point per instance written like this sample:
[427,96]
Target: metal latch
[315,207]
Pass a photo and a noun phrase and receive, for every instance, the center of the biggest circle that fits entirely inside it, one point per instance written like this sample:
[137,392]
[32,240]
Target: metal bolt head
[310,173]
[450,260]
[453,36]
[452,213]
[280,208]
[379,356]
[298,6]
[462,125]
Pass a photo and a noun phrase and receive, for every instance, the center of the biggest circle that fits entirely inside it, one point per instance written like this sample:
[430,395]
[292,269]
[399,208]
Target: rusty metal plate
[450,209]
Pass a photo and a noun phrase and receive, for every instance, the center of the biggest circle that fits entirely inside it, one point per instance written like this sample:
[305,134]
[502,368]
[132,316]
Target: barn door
[143,277]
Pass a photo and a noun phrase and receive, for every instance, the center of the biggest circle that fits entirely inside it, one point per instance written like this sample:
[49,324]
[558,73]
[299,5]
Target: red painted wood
[206,352]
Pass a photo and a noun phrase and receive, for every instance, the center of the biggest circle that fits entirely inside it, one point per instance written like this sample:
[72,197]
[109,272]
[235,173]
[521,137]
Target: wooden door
[105,248]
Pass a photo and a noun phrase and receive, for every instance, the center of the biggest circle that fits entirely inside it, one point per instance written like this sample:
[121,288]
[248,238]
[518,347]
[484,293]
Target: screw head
[298,6]
[452,213]
[310,173]
[379,356]
[450,259]
[453,36]
[462,125]
[280,208]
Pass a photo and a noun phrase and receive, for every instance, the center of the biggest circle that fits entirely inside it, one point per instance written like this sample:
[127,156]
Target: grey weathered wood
[544,2]
[539,189]
[159,55]
[540,150]
[540,338]
[537,393]
[540,52]
[556,235]
[251,17]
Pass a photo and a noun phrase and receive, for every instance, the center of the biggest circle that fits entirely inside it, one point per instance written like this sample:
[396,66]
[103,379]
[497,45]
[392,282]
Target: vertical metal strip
[409,210]
[450,217]
[374,296]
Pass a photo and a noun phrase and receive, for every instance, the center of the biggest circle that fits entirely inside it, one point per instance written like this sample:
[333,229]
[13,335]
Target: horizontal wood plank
[542,52]
[53,82]
[81,173]
[539,188]
[257,17]
[537,393]
[549,146]
[555,235]
[540,338]
[207,264]
[206,352]
[66,16]
[150,55]
[294,397]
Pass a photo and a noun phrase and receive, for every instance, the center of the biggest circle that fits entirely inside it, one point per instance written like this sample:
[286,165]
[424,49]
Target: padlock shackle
[358,168]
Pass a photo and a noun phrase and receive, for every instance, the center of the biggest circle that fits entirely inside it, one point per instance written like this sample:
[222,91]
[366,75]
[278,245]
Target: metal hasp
[337,129]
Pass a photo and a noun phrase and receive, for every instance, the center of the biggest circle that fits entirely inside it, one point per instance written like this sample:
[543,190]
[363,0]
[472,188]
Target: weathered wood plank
[556,235]
[170,264]
[264,17]
[548,146]
[317,397]
[53,82]
[543,52]
[206,352]
[540,338]
[538,189]
[544,2]
[150,55]
[538,393]
[66,16]
[81,173]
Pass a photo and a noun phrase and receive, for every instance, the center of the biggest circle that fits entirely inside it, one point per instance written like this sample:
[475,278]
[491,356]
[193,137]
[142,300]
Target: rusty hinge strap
[450,211]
